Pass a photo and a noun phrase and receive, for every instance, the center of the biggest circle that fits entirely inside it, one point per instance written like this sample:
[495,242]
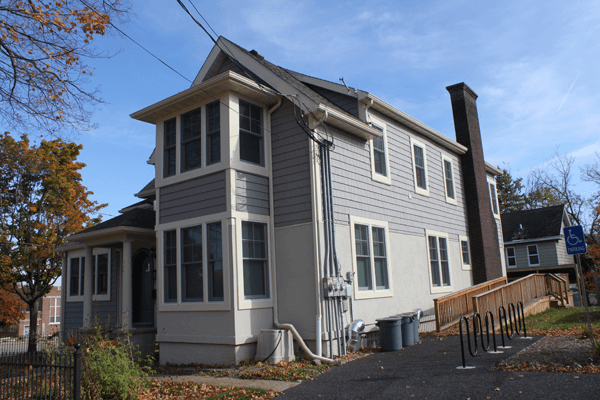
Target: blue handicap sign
[575,240]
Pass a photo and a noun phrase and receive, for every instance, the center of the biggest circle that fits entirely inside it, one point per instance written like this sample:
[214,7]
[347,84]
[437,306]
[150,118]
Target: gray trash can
[416,324]
[408,331]
[390,333]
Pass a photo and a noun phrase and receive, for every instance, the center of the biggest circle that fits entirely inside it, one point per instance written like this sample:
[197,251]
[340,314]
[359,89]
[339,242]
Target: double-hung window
[371,265]
[255,260]
[533,255]
[193,265]
[251,133]
[511,257]
[213,133]
[466,252]
[191,140]
[439,261]
[169,139]
[76,276]
[449,180]
[493,196]
[419,155]
[170,266]
[380,170]
[101,275]
[55,311]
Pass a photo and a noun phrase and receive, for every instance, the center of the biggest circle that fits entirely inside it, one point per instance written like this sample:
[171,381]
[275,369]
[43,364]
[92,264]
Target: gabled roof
[533,224]
[147,191]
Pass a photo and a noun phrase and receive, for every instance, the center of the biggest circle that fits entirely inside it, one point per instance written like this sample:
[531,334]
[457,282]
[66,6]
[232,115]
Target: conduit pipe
[278,324]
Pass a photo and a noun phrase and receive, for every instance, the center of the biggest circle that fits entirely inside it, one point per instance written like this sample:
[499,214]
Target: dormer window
[251,133]
[191,140]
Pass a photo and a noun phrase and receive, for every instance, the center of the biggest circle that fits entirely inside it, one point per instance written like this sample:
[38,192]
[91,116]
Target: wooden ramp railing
[449,309]
[489,296]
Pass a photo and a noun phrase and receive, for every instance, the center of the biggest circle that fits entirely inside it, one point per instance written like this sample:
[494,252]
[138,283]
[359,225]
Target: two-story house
[285,200]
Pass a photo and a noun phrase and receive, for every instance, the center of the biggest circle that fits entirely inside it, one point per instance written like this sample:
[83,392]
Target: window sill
[443,289]
[381,178]
[466,267]
[247,304]
[373,294]
[174,307]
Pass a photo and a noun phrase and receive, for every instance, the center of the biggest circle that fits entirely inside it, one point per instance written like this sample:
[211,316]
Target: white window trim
[387,178]
[54,304]
[492,181]
[243,303]
[465,267]
[440,289]
[96,252]
[373,293]
[413,142]
[537,253]
[71,255]
[204,305]
[204,169]
[449,200]
[507,257]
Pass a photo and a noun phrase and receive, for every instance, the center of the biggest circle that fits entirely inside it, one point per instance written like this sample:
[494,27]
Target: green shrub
[110,369]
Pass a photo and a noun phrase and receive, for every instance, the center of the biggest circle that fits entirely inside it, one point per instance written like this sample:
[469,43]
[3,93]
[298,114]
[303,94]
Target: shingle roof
[532,224]
[136,218]
[148,190]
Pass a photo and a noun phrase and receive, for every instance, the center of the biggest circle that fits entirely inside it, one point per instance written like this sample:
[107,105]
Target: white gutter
[278,324]
[524,241]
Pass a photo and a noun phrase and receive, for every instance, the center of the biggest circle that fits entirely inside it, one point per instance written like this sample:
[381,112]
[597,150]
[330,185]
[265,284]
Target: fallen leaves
[192,391]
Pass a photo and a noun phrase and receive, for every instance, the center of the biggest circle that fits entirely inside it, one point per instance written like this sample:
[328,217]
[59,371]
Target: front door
[141,290]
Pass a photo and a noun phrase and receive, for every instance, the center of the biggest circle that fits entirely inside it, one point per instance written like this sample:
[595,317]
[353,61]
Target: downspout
[317,253]
[278,324]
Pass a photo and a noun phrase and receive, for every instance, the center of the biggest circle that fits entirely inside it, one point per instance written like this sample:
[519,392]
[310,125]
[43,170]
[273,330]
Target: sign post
[575,242]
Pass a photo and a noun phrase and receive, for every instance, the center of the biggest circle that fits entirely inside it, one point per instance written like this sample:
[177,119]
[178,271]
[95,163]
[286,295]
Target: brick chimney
[486,263]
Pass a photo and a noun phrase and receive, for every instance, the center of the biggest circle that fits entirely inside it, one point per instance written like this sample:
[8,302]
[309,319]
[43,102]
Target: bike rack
[521,315]
[491,316]
[501,314]
[462,346]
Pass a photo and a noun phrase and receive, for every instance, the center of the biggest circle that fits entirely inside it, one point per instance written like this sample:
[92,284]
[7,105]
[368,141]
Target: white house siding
[196,197]
[291,169]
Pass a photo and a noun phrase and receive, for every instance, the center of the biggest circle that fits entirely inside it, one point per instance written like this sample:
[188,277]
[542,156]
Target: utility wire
[201,16]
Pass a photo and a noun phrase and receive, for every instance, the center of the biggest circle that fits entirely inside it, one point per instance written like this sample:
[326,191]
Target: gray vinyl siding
[291,169]
[73,315]
[251,193]
[357,194]
[104,312]
[546,253]
[227,65]
[561,253]
[345,102]
[194,198]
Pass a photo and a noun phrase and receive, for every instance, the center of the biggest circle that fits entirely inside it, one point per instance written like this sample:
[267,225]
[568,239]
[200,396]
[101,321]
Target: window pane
[444,262]
[493,198]
[434,260]
[191,263]
[102,287]
[449,179]
[191,155]
[170,266]
[192,282]
[250,148]
[254,253]
[379,256]
[379,161]
[254,279]
[169,147]
[465,252]
[381,273]
[363,272]
[74,290]
[215,262]
[82,276]
[420,167]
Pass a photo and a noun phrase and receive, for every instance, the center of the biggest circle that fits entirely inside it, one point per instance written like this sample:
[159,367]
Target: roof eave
[414,124]
[109,231]
[207,90]
[348,123]
[542,239]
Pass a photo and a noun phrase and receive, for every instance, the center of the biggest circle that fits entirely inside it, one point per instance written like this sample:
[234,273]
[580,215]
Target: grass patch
[568,320]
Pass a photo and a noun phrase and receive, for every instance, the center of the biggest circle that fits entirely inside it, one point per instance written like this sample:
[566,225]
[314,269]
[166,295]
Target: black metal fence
[50,374]
[20,344]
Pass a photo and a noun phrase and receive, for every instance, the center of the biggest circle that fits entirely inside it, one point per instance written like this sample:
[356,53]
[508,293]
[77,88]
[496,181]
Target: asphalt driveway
[428,371]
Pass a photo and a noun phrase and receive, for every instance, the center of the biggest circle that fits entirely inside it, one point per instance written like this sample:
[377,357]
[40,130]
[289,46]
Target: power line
[201,16]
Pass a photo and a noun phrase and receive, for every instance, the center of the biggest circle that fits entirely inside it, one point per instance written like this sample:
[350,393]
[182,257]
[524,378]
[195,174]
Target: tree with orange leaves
[42,201]
[43,48]
[11,306]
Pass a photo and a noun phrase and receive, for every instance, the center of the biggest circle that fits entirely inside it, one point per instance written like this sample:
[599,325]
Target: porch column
[126,286]
[87,284]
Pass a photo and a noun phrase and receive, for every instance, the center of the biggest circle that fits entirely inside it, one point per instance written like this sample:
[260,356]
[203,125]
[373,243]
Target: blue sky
[534,66]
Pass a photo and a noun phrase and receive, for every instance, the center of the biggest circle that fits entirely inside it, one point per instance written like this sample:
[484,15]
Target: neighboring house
[534,238]
[283,198]
[49,313]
